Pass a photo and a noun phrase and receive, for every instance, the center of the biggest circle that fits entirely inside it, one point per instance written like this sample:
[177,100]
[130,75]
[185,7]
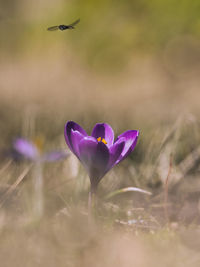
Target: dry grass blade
[166,191]
[186,165]
[13,186]
[5,166]
[189,162]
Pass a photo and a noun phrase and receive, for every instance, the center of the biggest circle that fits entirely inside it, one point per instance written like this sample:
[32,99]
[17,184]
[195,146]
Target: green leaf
[127,189]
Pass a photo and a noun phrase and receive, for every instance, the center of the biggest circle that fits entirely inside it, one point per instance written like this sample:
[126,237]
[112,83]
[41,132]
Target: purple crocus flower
[32,152]
[99,152]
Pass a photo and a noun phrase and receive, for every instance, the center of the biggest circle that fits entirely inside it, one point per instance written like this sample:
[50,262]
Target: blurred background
[134,64]
[126,60]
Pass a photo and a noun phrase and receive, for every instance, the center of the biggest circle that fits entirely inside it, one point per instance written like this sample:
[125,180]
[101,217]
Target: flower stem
[91,201]
[38,205]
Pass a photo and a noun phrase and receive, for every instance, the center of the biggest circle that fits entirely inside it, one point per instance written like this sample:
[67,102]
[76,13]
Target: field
[133,66]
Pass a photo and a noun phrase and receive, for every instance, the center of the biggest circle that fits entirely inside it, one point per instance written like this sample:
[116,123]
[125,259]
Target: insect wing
[75,22]
[53,28]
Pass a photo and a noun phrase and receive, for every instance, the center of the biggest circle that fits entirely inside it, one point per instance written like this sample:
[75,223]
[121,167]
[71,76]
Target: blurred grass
[126,223]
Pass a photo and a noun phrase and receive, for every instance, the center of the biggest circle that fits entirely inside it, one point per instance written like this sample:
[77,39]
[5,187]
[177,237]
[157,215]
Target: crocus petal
[70,125]
[130,137]
[26,148]
[76,137]
[104,131]
[55,156]
[95,157]
[115,152]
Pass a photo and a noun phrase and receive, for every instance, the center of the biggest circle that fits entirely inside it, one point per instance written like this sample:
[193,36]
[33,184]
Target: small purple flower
[32,152]
[98,152]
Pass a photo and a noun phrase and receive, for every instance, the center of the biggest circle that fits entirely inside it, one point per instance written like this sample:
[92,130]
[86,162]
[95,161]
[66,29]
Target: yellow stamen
[104,141]
[39,142]
[99,139]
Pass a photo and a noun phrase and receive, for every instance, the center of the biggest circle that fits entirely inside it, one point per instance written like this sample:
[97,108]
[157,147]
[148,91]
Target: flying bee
[64,27]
